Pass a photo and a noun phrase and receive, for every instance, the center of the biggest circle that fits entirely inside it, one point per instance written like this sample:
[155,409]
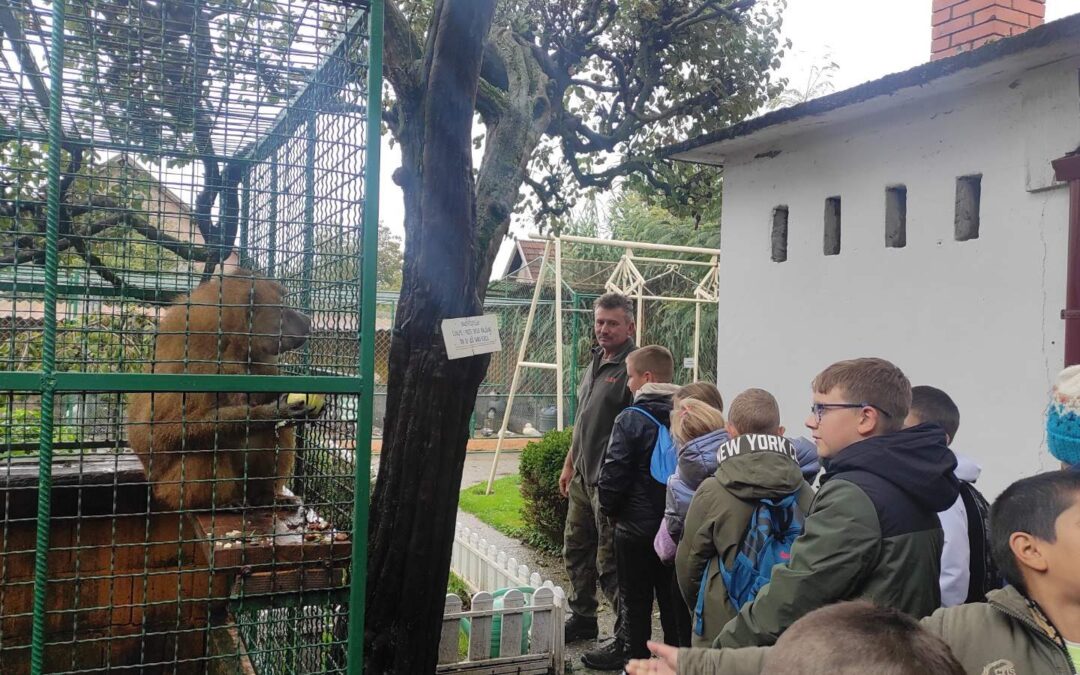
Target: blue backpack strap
[699,606]
[646,413]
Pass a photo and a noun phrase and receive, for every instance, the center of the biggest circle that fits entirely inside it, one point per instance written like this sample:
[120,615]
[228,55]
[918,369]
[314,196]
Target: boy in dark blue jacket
[634,499]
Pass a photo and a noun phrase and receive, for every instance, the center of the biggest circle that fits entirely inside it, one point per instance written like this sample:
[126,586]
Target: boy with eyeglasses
[1030,626]
[872,531]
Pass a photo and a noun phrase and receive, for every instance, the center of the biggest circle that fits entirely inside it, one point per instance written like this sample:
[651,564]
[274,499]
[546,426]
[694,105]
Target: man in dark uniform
[589,545]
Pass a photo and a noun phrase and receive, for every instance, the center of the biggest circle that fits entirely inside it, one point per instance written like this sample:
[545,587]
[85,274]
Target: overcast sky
[865,38]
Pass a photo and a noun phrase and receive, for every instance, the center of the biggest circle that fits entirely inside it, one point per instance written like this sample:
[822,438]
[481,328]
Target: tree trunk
[430,398]
[511,139]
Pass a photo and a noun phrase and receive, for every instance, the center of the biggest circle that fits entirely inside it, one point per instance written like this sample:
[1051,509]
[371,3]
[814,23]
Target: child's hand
[648,667]
[664,661]
[667,655]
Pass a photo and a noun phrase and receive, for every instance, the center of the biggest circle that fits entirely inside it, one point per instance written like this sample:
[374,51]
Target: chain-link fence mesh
[171,498]
[587,268]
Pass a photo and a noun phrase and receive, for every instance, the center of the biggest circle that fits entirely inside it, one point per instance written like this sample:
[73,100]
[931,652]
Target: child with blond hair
[697,427]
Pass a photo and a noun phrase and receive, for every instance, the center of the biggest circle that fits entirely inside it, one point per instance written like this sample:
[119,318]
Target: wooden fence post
[448,642]
[540,637]
[480,635]
[510,637]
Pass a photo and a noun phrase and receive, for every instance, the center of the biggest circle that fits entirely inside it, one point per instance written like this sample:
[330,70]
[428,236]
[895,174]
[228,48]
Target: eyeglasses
[819,409]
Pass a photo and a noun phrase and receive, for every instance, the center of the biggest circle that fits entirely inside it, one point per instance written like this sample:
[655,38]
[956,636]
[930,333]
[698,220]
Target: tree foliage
[160,79]
[578,96]
[818,83]
[390,261]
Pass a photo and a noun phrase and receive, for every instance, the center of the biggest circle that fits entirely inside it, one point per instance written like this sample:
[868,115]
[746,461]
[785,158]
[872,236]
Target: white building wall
[979,319]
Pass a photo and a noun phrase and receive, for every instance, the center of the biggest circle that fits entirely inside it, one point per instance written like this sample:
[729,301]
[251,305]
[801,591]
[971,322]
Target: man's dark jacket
[602,395]
[872,533]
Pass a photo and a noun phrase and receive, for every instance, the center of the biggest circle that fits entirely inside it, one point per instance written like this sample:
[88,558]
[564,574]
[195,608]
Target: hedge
[545,508]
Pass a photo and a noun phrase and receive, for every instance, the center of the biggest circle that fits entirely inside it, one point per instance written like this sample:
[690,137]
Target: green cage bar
[358,575]
[148,155]
[48,358]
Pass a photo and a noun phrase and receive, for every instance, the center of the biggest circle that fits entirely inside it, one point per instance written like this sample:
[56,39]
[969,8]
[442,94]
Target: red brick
[982,41]
[972,6]
[946,53]
[939,45]
[998,28]
[954,26]
[1032,7]
[1008,15]
[942,4]
[941,17]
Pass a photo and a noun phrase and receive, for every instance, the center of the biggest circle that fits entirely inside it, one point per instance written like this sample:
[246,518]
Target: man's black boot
[579,627]
[612,656]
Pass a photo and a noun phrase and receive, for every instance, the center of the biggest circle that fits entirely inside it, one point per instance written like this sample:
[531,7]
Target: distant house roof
[1005,58]
[524,264]
[133,169]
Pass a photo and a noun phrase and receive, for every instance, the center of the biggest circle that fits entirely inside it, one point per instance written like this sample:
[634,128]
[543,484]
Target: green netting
[156,483]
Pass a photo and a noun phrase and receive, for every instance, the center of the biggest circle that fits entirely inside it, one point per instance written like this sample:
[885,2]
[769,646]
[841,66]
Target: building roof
[1003,59]
[524,264]
[124,163]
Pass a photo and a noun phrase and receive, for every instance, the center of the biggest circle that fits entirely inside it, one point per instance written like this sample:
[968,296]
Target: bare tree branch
[707,11]
[137,222]
[402,53]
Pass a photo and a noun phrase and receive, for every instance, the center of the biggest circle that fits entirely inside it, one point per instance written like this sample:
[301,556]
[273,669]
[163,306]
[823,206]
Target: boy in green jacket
[1031,627]
[756,463]
[872,532]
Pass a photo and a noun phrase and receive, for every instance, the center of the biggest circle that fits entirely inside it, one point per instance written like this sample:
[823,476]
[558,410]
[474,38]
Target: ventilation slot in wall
[779,233]
[832,226]
[968,191]
[896,217]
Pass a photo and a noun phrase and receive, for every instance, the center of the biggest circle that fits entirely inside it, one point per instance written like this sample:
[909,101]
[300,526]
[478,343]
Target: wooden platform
[86,484]
[274,550]
[128,583]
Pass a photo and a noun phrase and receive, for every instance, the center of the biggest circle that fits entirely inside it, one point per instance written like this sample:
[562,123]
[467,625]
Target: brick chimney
[963,25]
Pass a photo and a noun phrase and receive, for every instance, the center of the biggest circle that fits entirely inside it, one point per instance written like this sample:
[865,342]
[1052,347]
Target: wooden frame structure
[627,279]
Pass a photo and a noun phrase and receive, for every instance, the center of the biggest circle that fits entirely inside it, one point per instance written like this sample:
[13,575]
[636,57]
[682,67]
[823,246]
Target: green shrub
[457,586]
[24,426]
[545,508]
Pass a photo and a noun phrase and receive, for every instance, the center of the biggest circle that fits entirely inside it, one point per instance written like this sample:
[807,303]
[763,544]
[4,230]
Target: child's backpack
[664,457]
[985,575]
[774,526]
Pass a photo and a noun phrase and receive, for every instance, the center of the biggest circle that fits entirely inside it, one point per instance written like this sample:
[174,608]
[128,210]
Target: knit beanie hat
[1063,417]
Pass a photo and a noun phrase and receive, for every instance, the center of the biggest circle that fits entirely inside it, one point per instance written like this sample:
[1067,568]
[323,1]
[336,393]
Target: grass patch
[501,509]
[457,586]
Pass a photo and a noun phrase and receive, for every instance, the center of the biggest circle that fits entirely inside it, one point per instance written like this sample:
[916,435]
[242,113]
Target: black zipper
[1037,630]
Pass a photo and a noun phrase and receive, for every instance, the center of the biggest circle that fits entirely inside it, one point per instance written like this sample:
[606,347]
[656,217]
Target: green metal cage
[187,251]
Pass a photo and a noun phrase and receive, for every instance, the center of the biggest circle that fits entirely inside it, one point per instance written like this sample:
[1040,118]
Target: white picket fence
[484,568]
[544,649]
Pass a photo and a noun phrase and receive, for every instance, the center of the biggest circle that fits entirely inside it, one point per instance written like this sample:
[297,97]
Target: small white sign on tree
[471,335]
